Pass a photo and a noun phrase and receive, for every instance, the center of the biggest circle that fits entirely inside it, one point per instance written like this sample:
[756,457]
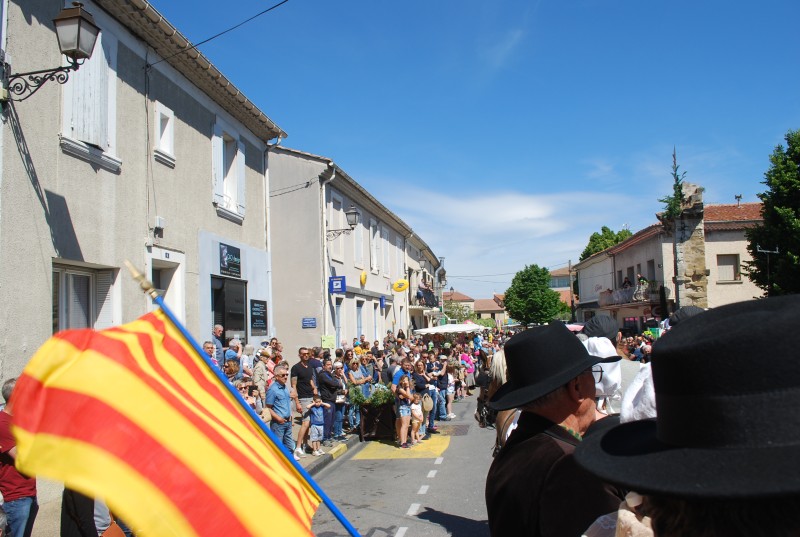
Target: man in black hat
[721,458]
[534,487]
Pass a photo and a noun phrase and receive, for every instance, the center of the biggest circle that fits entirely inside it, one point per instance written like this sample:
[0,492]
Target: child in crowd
[316,410]
[416,418]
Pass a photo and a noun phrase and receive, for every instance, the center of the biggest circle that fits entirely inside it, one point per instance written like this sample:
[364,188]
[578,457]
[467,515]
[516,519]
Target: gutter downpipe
[268,236]
[324,269]
[440,284]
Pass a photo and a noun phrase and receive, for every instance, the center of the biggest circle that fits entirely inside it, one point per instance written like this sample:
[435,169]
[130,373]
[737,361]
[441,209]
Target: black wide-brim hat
[539,360]
[727,422]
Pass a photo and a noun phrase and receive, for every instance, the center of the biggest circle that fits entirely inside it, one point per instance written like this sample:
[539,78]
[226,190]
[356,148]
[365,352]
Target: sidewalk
[48,520]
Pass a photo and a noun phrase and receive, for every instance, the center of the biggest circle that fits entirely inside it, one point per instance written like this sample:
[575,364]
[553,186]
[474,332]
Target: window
[651,270]
[164,127]
[400,261]
[228,300]
[82,298]
[358,245]
[336,220]
[90,107]
[619,278]
[374,247]
[385,247]
[339,324]
[359,317]
[728,268]
[228,161]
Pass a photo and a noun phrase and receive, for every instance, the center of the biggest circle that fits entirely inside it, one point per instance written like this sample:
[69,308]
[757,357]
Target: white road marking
[413,509]
[401,531]
[423,489]
[431,474]
[439,460]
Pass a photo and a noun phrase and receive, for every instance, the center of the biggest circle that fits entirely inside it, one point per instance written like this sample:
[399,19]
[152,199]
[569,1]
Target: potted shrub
[377,413]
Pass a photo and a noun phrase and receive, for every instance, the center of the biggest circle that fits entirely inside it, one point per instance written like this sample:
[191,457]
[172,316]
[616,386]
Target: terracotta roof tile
[732,212]
[486,304]
[455,296]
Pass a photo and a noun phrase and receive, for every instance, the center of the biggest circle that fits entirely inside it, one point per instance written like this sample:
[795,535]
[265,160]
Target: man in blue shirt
[219,351]
[279,404]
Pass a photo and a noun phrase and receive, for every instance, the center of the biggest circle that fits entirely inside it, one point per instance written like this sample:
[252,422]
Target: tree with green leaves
[530,299]
[458,312]
[674,203]
[778,273]
[605,239]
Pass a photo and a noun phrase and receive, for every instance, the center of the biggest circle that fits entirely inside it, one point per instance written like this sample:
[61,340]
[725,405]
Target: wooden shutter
[90,85]
[218,166]
[103,303]
[240,178]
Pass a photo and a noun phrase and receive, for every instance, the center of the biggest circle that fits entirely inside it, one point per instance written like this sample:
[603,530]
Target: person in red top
[19,491]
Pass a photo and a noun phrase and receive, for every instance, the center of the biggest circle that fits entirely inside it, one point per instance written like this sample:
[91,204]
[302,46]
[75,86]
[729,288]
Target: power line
[222,32]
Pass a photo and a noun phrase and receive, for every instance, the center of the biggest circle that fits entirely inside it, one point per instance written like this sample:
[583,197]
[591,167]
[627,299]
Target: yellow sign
[328,342]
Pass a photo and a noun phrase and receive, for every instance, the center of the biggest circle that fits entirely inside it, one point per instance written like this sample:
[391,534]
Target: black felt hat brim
[510,396]
[631,455]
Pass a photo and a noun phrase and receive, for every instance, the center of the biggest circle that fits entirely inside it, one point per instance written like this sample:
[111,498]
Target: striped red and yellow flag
[132,415]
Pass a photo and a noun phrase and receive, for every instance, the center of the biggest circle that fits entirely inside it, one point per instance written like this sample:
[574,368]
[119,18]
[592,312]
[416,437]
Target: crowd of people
[324,390]
[704,447]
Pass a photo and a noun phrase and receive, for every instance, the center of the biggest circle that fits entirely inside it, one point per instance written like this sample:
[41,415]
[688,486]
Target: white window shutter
[90,99]
[103,305]
[240,176]
[217,165]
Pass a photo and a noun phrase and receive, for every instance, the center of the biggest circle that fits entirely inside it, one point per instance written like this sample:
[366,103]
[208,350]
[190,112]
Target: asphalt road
[435,489]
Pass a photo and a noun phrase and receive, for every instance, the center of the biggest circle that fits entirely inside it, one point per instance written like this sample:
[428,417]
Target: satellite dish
[400,285]
[363,277]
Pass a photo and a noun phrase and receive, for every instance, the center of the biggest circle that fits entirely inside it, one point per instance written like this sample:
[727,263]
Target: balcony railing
[648,292]
[424,297]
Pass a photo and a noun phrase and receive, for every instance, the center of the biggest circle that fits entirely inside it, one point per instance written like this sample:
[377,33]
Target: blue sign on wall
[383,302]
[309,322]
[337,284]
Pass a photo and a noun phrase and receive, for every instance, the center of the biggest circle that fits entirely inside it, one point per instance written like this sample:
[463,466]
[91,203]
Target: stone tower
[691,281]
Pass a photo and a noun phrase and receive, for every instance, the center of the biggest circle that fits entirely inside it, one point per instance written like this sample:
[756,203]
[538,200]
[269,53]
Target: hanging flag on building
[134,416]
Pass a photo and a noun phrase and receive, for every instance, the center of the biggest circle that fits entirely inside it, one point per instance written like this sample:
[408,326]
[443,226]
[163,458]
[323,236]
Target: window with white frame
[82,298]
[90,107]
[374,247]
[728,268]
[385,246]
[400,259]
[164,135]
[228,160]
[336,220]
[358,245]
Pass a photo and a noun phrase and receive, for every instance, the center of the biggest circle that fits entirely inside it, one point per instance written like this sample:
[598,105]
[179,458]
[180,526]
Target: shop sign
[258,317]
[337,284]
[230,261]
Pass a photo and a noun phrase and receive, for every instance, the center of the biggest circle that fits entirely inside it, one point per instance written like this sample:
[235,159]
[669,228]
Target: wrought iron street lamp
[77,33]
[352,221]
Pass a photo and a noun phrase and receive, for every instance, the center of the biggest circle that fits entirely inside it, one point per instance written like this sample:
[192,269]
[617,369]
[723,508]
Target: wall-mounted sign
[258,317]
[383,302]
[337,284]
[309,322]
[230,261]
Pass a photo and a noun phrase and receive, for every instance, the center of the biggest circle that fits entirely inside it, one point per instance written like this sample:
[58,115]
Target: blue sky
[505,132]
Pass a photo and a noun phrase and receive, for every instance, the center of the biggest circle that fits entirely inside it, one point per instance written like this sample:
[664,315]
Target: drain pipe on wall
[268,238]
[327,176]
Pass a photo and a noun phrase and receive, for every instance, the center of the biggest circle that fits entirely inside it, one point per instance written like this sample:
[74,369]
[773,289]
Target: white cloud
[498,54]
[484,237]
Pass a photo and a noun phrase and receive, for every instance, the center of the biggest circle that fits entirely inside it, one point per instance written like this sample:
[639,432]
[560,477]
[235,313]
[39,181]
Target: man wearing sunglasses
[279,404]
[552,380]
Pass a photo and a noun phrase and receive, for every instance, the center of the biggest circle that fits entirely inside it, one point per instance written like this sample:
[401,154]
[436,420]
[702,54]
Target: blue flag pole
[148,288]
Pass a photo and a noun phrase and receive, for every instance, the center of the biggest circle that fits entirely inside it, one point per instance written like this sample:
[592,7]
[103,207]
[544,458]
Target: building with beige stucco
[136,157]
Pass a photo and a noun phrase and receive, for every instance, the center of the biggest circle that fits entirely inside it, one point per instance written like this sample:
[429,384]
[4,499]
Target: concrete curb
[318,463]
